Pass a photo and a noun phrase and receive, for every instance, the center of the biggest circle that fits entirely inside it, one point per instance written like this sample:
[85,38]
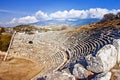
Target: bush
[109,16]
[118,15]
[2,30]
[24,28]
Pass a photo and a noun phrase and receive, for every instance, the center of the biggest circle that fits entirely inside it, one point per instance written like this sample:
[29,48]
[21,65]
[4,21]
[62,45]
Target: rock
[57,76]
[94,64]
[105,59]
[103,76]
[108,56]
[80,72]
[66,70]
[116,43]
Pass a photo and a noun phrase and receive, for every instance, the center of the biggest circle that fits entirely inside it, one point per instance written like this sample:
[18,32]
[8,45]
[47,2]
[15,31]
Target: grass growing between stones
[115,72]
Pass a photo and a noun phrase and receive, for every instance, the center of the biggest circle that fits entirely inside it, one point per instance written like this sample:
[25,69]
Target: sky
[30,11]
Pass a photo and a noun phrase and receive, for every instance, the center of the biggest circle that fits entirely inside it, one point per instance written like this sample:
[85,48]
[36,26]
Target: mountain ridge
[71,22]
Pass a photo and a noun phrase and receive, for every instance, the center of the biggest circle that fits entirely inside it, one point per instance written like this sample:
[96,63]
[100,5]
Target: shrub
[25,28]
[118,15]
[2,30]
[109,16]
[4,41]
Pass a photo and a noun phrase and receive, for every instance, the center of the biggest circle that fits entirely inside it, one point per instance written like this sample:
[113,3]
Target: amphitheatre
[45,52]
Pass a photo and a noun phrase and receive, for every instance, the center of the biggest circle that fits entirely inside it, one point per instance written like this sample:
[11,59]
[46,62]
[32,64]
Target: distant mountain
[72,22]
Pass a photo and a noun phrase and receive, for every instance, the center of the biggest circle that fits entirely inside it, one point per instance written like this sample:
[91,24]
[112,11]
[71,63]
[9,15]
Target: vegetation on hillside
[111,16]
[24,28]
[29,29]
[2,30]
[108,20]
[4,41]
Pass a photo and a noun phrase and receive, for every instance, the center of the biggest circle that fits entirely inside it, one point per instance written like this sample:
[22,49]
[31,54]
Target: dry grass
[18,69]
[113,70]
[100,25]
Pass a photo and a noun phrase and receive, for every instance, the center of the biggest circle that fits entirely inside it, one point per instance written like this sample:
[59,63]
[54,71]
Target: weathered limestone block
[103,76]
[94,64]
[108,55]
[57,76]
[105,59]
[80,72]
[116,43]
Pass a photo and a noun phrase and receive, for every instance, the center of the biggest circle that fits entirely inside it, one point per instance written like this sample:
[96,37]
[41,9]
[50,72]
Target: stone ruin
[61,50]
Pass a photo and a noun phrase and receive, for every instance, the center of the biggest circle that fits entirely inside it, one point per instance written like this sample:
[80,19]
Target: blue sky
[15,9]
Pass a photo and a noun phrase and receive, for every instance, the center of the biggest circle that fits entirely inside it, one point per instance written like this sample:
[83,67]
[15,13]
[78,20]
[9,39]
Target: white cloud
[64,15]
[17,21]
[14,20]
[59,15]
[69,14]
[41,15]
[82,14]
[78,14]
[23,20]
[114,11]
[97,12]
[27,19]
[5,11]
[11,12]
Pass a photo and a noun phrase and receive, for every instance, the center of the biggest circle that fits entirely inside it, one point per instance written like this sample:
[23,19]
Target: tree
[118,15]
[109,16]
[2,30]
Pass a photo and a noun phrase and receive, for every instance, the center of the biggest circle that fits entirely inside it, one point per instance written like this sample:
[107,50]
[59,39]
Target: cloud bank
[63,15]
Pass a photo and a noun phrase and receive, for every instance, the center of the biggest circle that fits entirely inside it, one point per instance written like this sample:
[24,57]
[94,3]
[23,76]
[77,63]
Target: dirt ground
[18,69]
